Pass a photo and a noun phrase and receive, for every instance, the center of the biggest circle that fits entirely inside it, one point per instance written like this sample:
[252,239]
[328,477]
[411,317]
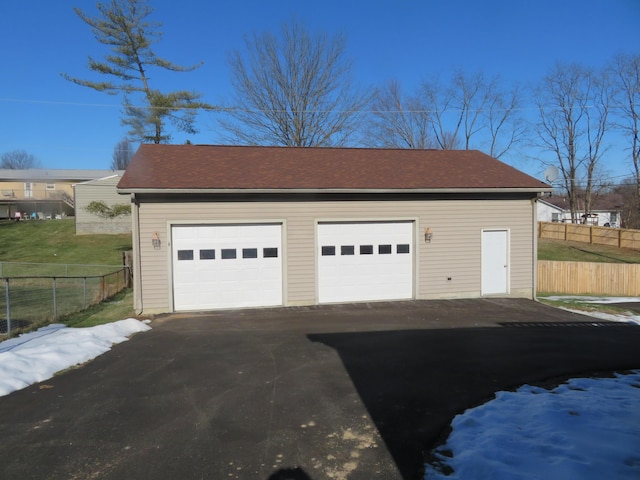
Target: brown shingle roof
[209,167]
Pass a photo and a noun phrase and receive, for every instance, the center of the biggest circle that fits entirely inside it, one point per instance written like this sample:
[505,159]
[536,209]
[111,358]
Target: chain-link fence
[40,299]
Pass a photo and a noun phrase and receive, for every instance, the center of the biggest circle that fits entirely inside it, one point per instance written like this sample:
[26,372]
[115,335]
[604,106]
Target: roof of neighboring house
[51,175]
[545,201]
[198,168]
[603,202]
[110,180]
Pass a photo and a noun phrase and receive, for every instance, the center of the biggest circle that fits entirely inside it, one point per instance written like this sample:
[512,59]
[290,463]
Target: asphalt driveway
[337,392]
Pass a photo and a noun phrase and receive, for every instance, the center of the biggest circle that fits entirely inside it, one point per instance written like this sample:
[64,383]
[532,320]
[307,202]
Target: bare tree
[294,90]
[438,102]
[399,121]
[630,209]
[626,75]
[599,92]
[506,128]
[472,111]
[18,159]
[122,154]
[573,104]
[123,26]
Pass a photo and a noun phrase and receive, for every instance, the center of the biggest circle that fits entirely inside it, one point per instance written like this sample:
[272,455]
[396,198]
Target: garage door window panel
[347,250]
[366,249]
[185,255]
[249,253]
[270,253]
[402,248]
[384,249]
[328,251]
[208,254]
[228,253]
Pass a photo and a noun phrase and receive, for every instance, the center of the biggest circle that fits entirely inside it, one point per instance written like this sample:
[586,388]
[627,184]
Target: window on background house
[51,186]
[614,218]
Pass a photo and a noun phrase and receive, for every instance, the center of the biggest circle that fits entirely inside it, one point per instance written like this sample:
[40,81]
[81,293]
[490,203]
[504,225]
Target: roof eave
[182,191]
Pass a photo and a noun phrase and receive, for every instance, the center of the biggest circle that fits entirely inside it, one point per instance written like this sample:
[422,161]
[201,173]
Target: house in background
[41,193]
[101,189]
[233,226]
[606,210]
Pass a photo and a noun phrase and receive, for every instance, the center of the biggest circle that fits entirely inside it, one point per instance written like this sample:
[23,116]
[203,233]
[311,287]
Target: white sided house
[229,226]
[605,210]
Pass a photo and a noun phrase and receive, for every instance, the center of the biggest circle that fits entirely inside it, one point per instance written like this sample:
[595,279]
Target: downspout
[534,216]
[137,262]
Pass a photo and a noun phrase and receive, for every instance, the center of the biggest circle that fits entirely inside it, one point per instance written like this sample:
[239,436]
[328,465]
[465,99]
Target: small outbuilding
[239,226]
[100,190]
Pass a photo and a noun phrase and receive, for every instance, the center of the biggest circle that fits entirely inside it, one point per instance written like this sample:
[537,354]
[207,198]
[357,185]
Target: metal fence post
[84,292]
[6,294]
[55,303]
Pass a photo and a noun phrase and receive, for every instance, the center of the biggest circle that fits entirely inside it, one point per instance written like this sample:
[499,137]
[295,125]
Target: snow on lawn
[584,429]
[628,317]
[589,299]
[37,356]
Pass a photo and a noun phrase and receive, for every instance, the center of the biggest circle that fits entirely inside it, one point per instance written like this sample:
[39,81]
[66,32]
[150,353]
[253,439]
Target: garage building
[238,226]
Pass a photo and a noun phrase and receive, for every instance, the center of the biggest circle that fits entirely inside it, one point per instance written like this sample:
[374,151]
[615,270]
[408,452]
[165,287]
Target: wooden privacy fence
[579,278]
[617,237]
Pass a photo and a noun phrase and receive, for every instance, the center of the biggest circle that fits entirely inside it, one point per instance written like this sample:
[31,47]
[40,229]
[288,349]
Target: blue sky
[68,126]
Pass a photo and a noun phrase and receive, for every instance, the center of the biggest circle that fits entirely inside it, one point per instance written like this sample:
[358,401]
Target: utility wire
[238,109]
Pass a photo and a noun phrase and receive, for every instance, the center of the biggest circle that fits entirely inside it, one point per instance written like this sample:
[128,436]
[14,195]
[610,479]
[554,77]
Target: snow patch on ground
[628,317]
[36,356]
[586,428]
[589,299]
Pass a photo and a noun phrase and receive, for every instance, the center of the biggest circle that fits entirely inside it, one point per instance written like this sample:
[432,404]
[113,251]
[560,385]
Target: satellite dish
[551,173]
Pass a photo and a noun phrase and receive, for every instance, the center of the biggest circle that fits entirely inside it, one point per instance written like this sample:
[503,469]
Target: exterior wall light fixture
[428,235]
[155,241]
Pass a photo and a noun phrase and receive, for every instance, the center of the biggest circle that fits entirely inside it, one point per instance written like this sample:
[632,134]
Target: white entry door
[495,262]
[225,266]
[362,261]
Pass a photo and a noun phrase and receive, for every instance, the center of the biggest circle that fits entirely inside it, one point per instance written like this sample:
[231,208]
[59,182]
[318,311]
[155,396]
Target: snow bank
[587,429]
[37,356]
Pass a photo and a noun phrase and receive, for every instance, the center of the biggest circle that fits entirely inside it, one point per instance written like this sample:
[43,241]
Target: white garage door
[223,266]
[362,261]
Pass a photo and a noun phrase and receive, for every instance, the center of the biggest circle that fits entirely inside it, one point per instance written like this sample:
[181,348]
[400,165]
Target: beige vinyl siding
[462,247]
[454,251]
